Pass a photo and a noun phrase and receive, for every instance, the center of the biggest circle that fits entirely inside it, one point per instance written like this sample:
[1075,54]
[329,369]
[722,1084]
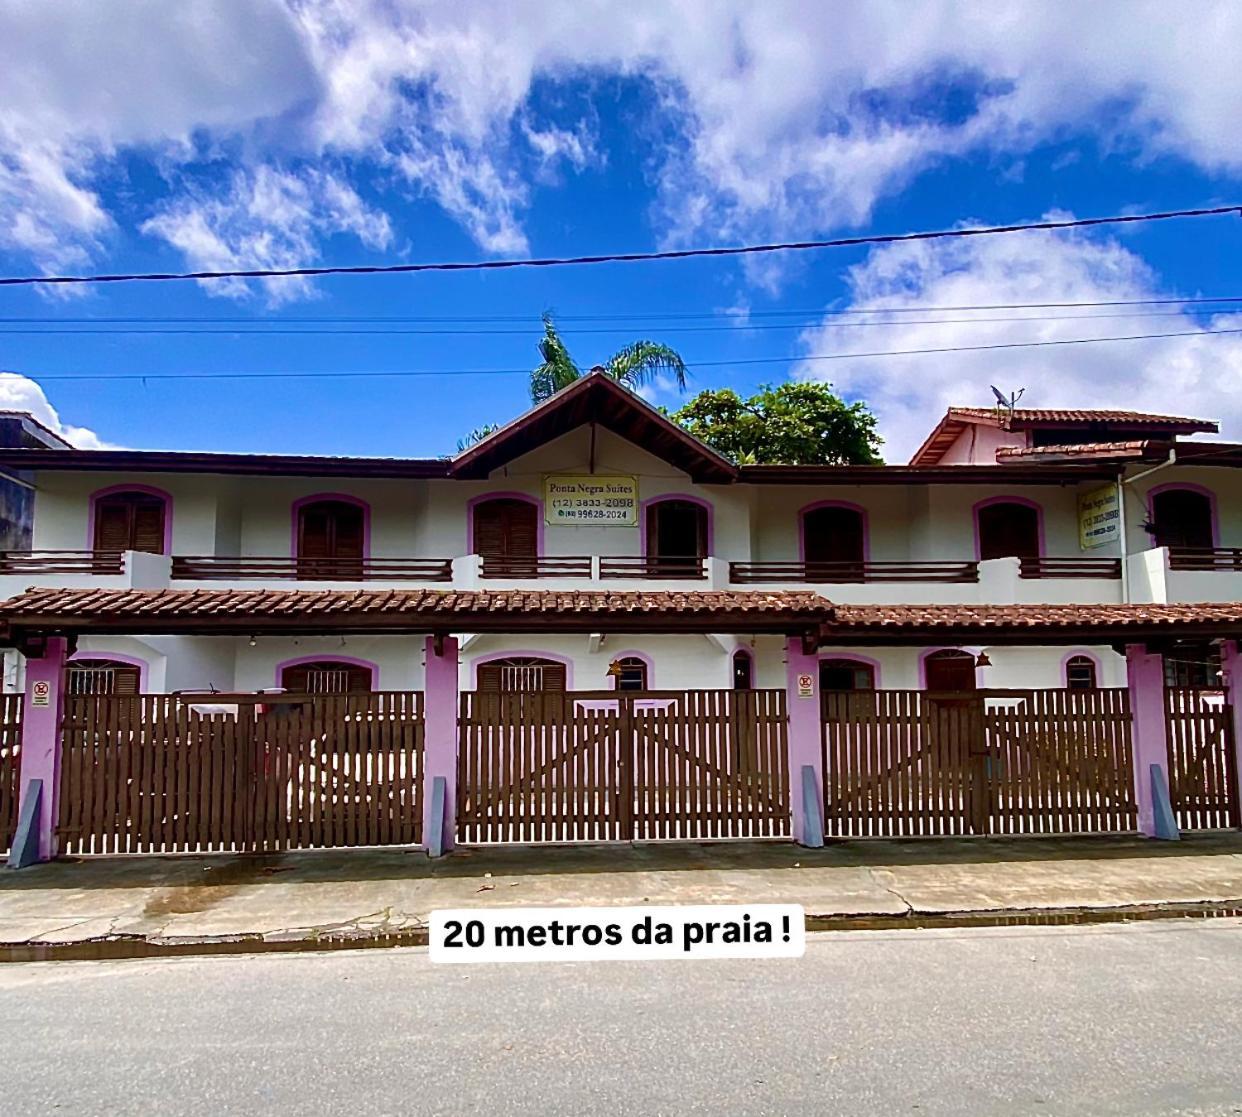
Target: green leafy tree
[635,365]
[800,422]
[476,435]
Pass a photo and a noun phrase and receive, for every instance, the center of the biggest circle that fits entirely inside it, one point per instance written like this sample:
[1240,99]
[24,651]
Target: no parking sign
[806,686]
[41,693]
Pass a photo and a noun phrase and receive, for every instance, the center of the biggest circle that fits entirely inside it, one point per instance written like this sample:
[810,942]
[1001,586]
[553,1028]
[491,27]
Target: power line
[353,373]
[816,313]
[622,257]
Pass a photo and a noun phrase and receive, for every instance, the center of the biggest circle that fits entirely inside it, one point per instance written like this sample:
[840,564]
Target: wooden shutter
[950,671]
[331,540]
[1183,518]
[103,676]
[506,529]
[834,535]
[310,678]
[676,529]
[148,530]
[111,526]
[491,676]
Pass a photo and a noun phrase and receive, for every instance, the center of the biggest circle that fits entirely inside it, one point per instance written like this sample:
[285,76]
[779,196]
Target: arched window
[743,671]
[834,543]
[633,674]
[521,673]
[326,676]
[1182,518]
[102,676]
[1080,673]
[331,539]
[506,535]
[1008,529]
[845,674]
[676,534]
[130,521]
[951,669]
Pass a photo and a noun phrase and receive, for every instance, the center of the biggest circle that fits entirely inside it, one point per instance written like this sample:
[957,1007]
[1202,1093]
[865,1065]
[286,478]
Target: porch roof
[52,611]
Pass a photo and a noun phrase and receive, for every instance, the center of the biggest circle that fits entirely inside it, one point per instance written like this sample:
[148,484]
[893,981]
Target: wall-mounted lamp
[614,670]
[253,641]
[981,660]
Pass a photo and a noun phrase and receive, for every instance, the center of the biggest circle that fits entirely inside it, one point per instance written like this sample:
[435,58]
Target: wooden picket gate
[585,766]
[150,774]
[1203,777]
[10,766]
[901,763]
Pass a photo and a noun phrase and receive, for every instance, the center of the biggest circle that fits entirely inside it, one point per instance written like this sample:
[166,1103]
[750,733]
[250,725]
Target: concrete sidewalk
[361,892]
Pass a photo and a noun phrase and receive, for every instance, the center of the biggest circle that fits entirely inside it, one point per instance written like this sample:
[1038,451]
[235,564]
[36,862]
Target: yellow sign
[1099,517]
[571,498]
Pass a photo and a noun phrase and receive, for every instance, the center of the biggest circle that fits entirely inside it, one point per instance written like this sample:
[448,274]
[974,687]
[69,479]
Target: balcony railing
[1205,558]
[751,573]
[224,568]
[543,566]
[61,562]
[647,566]
[1069,568]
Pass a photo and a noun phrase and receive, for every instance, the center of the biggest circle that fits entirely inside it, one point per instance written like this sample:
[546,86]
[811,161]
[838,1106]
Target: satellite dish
[1000,396]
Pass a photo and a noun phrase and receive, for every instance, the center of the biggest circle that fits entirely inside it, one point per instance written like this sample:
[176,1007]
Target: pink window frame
[1081,653]
[328,657]
[978,506]
[866,524]
[646,659]
[117,657]
[526,498]
[116,490]
[522,653]
[687,497]
[927,653]
[1202,490]
[295,512]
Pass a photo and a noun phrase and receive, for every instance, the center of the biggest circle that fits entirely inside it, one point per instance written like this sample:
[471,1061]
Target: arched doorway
[1182,518]
[506,536]
[834,542]
[676,536]
[102,676]
[1007,529]
[331,539]
[743,670]
[949,670]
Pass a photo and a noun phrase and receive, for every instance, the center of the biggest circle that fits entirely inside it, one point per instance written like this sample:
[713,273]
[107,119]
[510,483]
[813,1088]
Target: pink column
[41,717]
[440,737]
[1231,669]
[1145,678]
[804,733]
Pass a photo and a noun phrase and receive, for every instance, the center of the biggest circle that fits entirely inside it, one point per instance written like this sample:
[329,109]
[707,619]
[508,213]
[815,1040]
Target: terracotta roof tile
[1084,415]
[1132,448]
[1047,617]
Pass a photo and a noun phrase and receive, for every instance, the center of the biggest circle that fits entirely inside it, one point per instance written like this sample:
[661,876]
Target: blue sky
[145,136]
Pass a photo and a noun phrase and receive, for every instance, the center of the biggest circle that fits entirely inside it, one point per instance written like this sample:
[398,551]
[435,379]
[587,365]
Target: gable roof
[595,398]
[1106,420]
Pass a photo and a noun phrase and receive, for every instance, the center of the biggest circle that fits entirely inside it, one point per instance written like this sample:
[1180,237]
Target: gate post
[1231,673]
[805,751]
[1149,737]
[42,710]
[440,710]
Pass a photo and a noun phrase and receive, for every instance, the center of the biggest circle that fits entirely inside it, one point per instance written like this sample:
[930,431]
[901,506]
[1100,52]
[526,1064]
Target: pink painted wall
[440,735]
[804,731]
[41,737]
[1145,678]
[977,445]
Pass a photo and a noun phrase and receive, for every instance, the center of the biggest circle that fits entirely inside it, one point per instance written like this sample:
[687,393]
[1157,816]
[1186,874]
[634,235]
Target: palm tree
[637,364]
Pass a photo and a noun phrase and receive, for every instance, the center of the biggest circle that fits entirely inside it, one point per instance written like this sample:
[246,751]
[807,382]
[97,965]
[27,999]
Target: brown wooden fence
[907,762]
[10,766]
[151,774]
[640,765]
[1203,778]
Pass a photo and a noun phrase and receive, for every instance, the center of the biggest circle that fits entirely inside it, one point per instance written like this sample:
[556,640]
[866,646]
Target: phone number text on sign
[591,499]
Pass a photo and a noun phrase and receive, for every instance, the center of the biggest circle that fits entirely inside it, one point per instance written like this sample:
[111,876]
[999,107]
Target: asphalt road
[1133,1019]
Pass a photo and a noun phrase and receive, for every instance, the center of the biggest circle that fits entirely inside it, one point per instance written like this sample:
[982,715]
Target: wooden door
[676,534]
[834,543]
[950,670]
[130,522]
[1008,530]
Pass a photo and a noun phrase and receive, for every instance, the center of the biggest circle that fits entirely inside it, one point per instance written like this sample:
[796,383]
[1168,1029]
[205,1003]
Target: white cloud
[1198,376]
[267,218]
[20,393]
[778,117]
